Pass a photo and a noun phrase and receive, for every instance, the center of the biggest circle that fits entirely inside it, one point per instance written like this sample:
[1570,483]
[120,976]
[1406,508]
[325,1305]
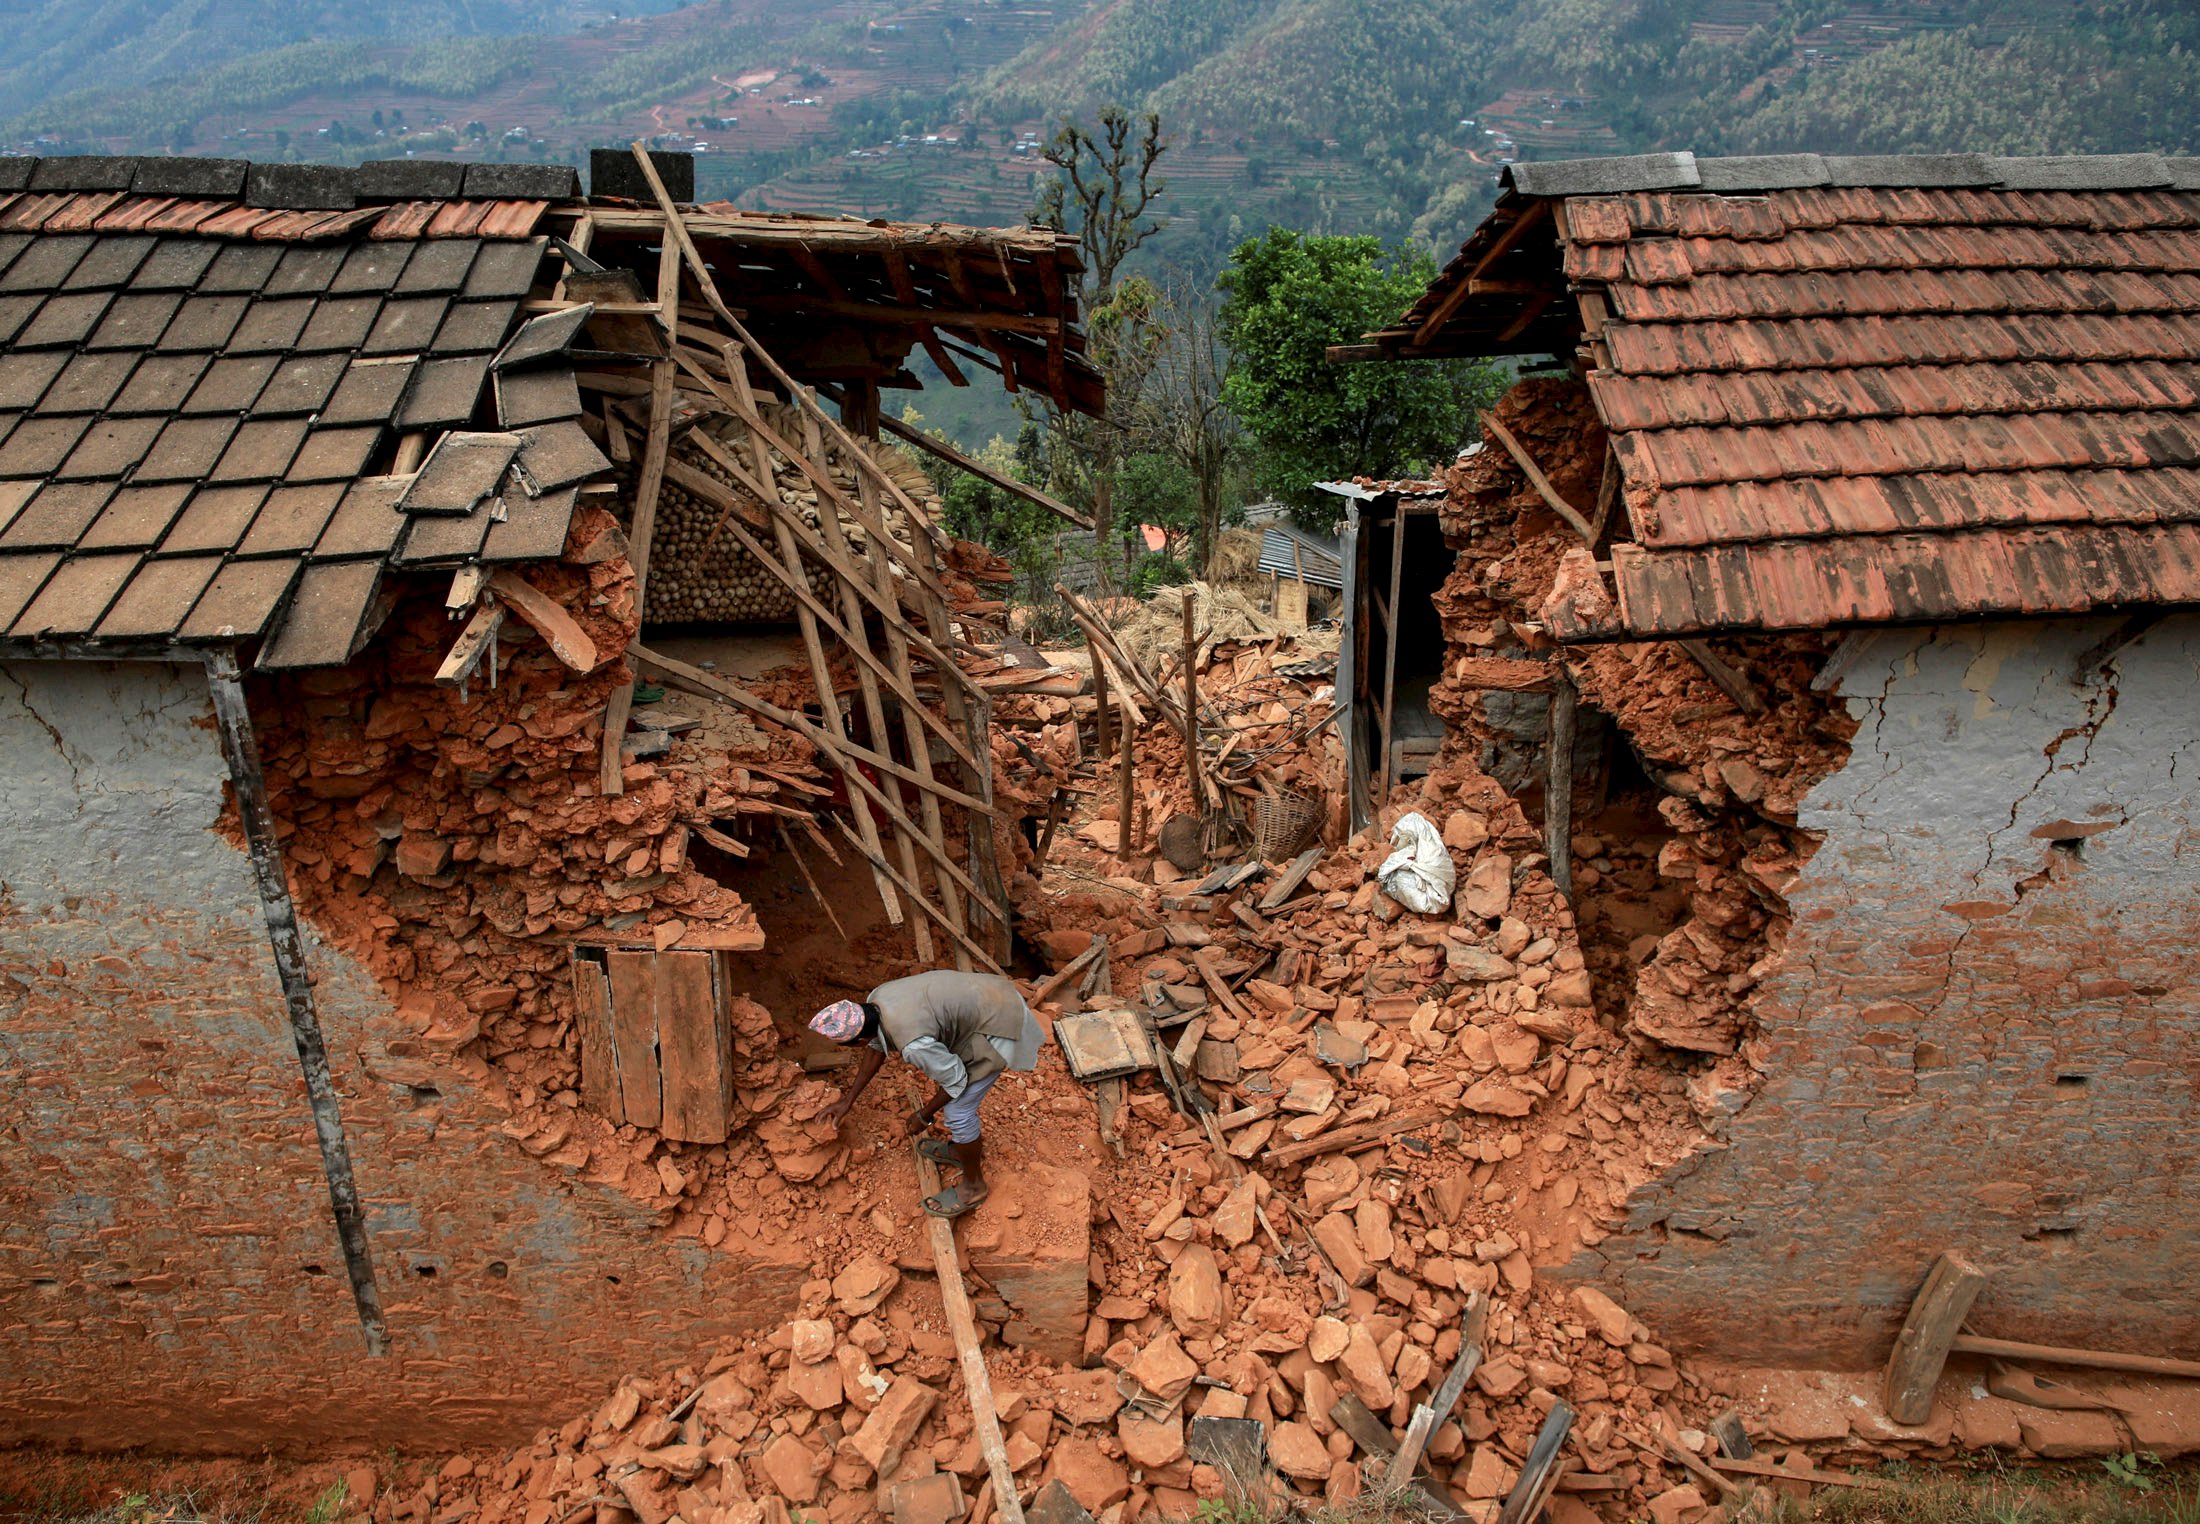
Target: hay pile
[1157,628]
[1236,561]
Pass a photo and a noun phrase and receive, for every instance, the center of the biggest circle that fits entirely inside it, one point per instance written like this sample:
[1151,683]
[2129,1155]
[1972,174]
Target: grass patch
[2126,1489]
[60,1488]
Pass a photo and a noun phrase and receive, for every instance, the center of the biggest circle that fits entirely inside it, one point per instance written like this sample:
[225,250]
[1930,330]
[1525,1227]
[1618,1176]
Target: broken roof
[1858,390]
[840,297]
[204,369]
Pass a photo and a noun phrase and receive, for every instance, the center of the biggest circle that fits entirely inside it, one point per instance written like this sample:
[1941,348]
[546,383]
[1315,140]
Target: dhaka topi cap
[842,1021]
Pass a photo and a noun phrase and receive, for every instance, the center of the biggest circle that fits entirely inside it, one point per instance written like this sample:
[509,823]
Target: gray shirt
[957,1027]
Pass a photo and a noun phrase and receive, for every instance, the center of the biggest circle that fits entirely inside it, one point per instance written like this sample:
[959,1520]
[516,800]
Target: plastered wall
[168,1272]
[1986,1033]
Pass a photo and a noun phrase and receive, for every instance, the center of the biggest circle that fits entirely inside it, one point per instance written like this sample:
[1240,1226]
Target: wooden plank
[1539,1476]
[2092,1359]
[1069,971]
[710,685]
[821,677]
[858,639]
[592,1025]
[1723,677]
[473,645]
[913,713]
[1921,1348]
[1373,1435]
[1448,308]
[1536,478]
[803,867]
[696,1086]
[1346,1137]
[1558,786]
[1811,1474]
[879,863]
[798,588]
[634,1036]
[1293,876]
[1438,1408]
[1693,1464]
[676,225]
[977,1385]
[559,630]
[611,769]
[979,469]
[1203,960]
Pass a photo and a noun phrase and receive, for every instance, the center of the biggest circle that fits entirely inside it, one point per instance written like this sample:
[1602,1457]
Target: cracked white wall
[169,1275]
[1982,1036]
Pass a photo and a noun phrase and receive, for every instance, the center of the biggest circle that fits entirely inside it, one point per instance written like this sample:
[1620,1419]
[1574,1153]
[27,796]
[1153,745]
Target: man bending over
[962,1030]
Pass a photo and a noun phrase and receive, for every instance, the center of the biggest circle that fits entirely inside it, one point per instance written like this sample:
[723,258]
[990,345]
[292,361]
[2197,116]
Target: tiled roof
[1867,390]
[201,401]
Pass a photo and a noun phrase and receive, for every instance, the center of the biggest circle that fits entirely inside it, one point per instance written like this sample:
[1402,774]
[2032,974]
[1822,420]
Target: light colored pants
[962,1111]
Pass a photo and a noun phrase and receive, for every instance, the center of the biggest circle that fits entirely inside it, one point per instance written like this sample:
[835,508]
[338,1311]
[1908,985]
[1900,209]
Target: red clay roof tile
[1597,219]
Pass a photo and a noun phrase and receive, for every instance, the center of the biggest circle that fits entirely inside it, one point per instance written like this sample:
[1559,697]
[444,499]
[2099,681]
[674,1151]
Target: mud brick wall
[1982,1036]
[168,1271]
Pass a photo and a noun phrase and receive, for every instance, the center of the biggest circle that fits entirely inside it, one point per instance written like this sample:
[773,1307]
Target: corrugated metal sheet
[1317,557]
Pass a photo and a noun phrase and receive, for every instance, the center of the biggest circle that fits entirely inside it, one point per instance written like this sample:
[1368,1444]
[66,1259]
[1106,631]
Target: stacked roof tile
[1852,391]
[202,386]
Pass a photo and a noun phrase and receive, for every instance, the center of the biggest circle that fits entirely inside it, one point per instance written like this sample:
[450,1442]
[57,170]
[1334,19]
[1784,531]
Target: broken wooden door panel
[634,1036]
[592,1020]
[689,1048]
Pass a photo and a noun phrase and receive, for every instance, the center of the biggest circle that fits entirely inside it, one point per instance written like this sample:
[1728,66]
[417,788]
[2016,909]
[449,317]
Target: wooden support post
[1102,719]
[656,449]
[1558,785]
[1126,842]
[1191,706]
[913,713]
[963,1324]
[1921,1349]
[241,750]
[879,863]
[874,710]
[831,719]
[1390,639]
[803,868]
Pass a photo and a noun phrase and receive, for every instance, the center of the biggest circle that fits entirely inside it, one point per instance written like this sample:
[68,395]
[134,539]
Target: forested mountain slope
[56,46]
[1390,117]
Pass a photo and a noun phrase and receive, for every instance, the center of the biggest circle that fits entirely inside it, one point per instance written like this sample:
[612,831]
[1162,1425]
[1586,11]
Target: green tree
[1287,297]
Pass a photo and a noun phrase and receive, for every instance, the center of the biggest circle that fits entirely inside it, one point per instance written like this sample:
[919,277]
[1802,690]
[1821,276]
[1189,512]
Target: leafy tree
[1153,488]
[1287,297]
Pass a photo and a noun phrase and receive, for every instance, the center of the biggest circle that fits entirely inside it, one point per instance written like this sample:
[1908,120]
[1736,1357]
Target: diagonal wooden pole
[963,1324]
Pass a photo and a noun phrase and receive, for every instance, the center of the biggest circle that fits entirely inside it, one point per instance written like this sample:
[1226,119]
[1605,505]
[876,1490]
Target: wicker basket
[1284,822]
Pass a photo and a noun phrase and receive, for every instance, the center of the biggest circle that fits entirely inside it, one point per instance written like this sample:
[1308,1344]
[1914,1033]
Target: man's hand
[837,1113]
[920,1119]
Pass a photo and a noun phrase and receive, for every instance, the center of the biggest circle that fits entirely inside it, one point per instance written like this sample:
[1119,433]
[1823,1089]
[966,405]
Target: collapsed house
[340,740]
[1841,574]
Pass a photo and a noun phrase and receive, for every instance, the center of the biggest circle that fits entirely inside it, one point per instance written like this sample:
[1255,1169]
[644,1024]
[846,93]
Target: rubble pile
[447,838]
[1721,823]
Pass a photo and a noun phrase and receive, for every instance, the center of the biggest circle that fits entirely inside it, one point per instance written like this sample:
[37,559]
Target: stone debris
[1412,1114]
